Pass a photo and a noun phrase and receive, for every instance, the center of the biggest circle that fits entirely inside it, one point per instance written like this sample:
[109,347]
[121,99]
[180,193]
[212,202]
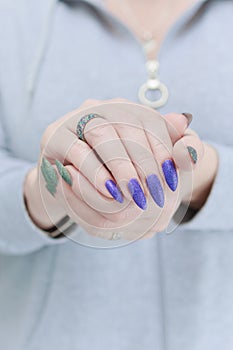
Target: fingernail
[189,117]
[155,189]
[137,193]
[192,153]
[114,190]
[170,174]
[63,172]
[50,176]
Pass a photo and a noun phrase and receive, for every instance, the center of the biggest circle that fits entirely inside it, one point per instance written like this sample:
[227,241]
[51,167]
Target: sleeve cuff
[19,234]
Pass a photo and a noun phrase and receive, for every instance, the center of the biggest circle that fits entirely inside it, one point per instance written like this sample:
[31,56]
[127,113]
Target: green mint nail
[50,176]
[193,154]
[63,172]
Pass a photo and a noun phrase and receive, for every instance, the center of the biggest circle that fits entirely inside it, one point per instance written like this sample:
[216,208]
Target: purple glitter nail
[137,193]
[156,190]
[114,190]
[170,174]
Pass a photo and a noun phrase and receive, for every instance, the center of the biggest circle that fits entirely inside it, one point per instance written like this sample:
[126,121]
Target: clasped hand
[130,175]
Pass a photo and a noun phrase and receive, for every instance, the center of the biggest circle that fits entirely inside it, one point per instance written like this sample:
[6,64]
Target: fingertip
[176,124]
[189,117]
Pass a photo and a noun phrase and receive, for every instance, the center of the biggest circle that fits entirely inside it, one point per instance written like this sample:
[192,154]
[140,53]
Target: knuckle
[157,142]
[97,133]
[121,165]
[122,126]
[77,149]
[130,128]
[161,148]
[145,160]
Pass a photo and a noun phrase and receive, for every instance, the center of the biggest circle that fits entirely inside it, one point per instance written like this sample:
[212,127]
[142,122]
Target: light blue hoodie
[170,292]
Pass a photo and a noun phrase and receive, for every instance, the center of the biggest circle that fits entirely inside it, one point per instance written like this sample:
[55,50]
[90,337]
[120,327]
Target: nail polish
[63,172]
[170,174]
[50,176]
[189,117]
[192,153]
[155,189]
[114,190]
[137,193]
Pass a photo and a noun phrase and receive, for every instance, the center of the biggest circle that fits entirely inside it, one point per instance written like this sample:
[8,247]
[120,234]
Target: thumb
[177,124]
[188,151]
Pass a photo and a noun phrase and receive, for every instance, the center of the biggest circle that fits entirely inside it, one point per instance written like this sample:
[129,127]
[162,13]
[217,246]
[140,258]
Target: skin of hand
[128,150]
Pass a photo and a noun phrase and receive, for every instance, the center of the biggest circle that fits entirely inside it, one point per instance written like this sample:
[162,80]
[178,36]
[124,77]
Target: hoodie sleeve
[18,233]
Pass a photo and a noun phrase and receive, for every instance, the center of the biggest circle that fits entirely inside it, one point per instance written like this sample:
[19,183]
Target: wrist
[43,216]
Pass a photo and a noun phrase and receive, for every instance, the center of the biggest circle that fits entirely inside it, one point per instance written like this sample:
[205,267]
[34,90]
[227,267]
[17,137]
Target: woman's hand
[131,151]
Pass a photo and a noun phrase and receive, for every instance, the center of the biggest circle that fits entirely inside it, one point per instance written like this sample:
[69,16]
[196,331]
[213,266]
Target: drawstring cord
[36,64]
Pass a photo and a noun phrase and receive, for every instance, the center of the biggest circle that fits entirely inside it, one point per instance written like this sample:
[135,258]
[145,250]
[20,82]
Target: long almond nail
[63,172]
[170,174]
[137,193]
[156,190]
[189,117]
[192,153]
[114,190]
[50,176]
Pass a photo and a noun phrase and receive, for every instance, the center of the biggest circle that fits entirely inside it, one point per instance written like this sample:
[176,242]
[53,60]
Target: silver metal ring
[83,122]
